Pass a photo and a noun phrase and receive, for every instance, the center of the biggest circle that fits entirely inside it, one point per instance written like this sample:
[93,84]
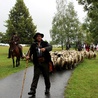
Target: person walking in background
[68,45]
[97,47]
[87,47]
[41,58]
[92,47]
[79,46]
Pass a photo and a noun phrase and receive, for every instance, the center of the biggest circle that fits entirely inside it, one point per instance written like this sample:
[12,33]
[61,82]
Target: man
[67,46]
[15,39]
[41,58]
[79,46]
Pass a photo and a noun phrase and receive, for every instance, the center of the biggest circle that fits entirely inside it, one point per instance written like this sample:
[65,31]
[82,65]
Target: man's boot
[47,91]
[32,92]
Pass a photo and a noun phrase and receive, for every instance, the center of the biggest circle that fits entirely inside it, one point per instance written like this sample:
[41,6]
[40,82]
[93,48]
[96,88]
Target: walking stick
[24,79]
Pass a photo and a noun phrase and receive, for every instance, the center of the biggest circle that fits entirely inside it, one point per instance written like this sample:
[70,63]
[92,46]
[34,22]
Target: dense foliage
[91,6]
[21,23]
[66,27]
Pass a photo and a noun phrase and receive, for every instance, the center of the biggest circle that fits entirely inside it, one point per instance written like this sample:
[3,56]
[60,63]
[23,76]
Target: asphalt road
[11,86]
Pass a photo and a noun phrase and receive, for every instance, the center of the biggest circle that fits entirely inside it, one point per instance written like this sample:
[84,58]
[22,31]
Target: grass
[82,84]
[6,67]
[84,80]
[57,49]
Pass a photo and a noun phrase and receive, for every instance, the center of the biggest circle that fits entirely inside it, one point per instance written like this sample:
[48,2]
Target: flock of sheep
[68,59]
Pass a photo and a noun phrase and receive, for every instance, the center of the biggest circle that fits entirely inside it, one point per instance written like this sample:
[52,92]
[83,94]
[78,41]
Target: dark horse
[14,51]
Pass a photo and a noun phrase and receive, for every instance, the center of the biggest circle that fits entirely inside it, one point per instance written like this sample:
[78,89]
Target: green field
[6,66]
[84,80]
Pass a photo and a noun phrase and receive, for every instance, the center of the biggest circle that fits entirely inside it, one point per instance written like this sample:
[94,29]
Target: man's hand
[27,57]
[42,49]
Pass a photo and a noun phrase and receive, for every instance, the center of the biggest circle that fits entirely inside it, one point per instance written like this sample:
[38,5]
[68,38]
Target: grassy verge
[84,80]
[6,67]
[57,49]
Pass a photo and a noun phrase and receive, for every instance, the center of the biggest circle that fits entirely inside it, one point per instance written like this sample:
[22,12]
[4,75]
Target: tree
[56,32]
[85,28]
[88,4]
[72,23]
[65,25]
[20,22]
[91,6]
[1,35]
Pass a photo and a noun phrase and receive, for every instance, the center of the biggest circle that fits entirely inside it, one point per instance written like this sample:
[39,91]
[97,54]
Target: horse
[15,52]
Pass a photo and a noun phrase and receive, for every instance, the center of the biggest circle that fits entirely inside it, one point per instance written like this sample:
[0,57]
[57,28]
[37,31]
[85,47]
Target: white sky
[42,12]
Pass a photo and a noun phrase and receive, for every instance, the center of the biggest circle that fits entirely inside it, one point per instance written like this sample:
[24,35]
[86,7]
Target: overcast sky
[42,12]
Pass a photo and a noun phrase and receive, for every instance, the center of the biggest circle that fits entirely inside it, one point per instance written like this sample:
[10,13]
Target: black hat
[42,35]
[14,33]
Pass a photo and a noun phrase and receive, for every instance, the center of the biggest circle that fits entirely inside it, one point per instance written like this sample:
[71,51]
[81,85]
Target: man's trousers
[41,68]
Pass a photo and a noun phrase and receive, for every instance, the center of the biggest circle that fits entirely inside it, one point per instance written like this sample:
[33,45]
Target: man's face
[39,38]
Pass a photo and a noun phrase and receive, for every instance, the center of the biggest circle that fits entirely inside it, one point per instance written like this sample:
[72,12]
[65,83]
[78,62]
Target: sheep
[68,59]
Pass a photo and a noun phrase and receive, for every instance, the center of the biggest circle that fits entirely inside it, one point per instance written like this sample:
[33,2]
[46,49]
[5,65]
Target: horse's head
[12,45]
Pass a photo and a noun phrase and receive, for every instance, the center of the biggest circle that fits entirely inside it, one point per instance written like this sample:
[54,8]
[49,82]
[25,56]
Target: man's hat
[14,33]
[42,35]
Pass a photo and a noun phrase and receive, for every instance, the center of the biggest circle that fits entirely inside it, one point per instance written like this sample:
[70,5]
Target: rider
[15,39]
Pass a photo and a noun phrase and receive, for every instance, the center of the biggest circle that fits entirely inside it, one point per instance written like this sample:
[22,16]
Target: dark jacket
[46,54]
[15,38]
